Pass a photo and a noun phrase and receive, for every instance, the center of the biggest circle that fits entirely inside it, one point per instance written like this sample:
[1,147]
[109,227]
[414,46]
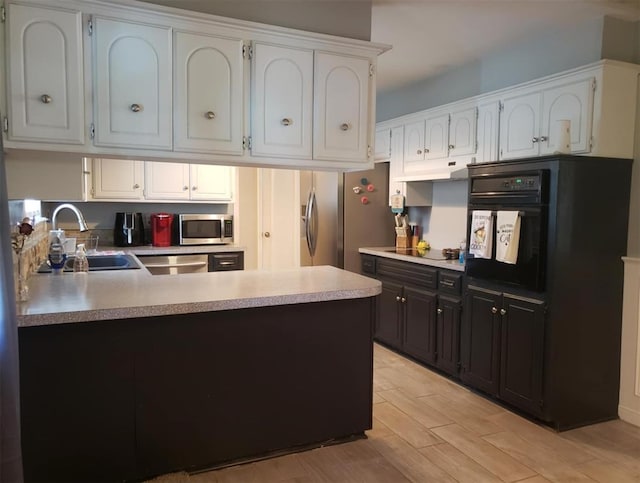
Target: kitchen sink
[97,263]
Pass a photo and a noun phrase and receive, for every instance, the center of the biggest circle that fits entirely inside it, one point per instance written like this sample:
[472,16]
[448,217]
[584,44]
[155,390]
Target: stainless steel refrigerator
[343,212]
[10,454]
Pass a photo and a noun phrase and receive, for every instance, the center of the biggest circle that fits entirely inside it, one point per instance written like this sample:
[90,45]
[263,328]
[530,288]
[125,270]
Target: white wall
[444,224]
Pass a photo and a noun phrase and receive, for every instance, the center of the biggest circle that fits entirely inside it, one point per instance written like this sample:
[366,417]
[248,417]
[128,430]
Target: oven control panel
[520,183]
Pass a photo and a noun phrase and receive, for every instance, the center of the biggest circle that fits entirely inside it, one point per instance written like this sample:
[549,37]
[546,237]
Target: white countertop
[390,252]
[121,294]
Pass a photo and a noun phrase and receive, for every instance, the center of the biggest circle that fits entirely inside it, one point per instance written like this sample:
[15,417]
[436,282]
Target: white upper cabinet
[436,137]
[382,146]
[282,97]
[572,102]
[211,183]
[132,84]
[528,125]
[117,179]
[341,128]
[166,181]
[208,108]
[45,80]
[488,124]
[462,132]
[413,144]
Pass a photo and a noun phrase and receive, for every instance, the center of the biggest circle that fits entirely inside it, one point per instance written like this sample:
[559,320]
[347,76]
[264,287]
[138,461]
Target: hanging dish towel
[480,238]
[507,236]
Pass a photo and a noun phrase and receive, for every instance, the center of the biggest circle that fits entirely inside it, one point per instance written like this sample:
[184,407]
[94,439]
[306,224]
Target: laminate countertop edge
[97,296]
[389,252]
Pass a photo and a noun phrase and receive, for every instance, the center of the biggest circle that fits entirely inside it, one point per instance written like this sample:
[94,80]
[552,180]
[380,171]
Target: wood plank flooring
[429,429]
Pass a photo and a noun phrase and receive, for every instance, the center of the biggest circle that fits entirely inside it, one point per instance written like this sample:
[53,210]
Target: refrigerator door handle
[307,222]
[312,224]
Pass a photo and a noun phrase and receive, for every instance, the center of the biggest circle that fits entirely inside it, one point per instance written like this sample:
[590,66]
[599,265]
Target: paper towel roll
[562,136]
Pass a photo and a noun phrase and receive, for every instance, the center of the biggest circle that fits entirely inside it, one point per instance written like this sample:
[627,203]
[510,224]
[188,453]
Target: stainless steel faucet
[81,222]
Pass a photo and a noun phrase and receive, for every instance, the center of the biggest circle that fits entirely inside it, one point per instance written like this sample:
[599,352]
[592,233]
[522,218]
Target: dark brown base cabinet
[129,399]
[413,316]
[503,347]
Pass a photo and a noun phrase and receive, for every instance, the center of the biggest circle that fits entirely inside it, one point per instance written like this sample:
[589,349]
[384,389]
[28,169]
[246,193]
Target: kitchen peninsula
[125,375]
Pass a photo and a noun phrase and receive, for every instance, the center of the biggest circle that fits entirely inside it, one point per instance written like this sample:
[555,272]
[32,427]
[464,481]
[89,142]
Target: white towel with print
[507,236]
[480,238]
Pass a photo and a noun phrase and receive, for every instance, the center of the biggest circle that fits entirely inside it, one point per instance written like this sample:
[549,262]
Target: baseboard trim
[629,415]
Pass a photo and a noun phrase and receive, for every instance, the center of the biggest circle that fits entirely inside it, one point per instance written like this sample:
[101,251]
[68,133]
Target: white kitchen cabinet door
[382,149]
[208,108]
[117,179]
[462,132]
[488,118]
[282,98]
[395,163]
[520,126]
[46,87]
[436,137]
[132,85]
[413,145]
[211,183]
[166,181]
[573,102]
[341,108]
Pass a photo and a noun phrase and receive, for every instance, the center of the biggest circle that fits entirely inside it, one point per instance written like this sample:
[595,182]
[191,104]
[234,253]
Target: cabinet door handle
[419,151]
[267,234]
[136,186]
[210,115]
[397,298]
[345,126]
[494,310]
[193,188]
[439,310]
[451,146]
[535,140]
[403,300]
[503,311]
[426,150]
[185,188]
[543,138]
[136,107]
[447,283]
[46,99]
[286,121]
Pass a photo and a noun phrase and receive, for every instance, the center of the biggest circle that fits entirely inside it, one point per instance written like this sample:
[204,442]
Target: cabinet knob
[403,300]
[286,121]
[439,310]
[136,107]
[193,188]
[426,150]
[494,310]
[535,140]
[46,99]
[397,298]
[503,311]
[345,126]
[451,146]
[543,138]
[210,115]
[136,186]
[419,151]
[267,234]
[185,188]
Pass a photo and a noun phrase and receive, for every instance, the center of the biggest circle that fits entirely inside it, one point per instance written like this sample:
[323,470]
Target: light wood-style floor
[429,429]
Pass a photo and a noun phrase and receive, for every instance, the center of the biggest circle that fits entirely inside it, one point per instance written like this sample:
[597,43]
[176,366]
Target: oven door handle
[170,265]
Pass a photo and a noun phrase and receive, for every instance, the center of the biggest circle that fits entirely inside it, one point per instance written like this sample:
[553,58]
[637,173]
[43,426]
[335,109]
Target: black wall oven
[528,193]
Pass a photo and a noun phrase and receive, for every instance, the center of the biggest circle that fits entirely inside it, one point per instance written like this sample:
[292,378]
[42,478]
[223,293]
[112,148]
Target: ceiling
[432,36]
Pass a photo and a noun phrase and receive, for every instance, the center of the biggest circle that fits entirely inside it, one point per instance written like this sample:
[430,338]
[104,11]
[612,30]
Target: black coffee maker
[128,230]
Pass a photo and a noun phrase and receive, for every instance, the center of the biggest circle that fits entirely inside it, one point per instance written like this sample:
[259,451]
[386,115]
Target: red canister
[161,229]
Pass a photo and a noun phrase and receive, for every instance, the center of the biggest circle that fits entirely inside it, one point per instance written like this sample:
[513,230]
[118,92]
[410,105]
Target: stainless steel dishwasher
[175,264]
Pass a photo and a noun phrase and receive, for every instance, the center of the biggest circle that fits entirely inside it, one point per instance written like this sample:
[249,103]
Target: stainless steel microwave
[203,229]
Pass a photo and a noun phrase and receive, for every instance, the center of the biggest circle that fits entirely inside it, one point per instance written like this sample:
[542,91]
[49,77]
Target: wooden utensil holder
[403,238]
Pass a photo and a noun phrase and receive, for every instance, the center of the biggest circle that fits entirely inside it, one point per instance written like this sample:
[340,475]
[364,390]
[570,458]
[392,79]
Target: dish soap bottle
[57,256]
[80,262]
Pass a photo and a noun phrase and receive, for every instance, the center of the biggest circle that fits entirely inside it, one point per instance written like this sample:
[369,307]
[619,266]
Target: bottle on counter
[463,249]
[57,255]
[80,262]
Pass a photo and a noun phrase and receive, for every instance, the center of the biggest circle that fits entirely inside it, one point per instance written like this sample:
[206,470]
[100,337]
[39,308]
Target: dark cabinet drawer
[220,262]
[409,273]
[450,283]
[368,264]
